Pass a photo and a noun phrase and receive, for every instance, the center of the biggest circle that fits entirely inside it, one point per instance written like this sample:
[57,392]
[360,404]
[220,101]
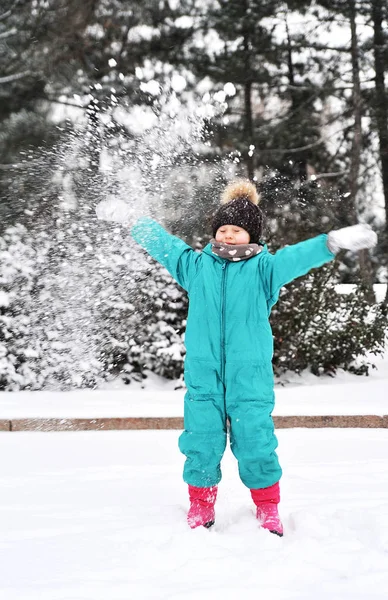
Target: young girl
[232,285]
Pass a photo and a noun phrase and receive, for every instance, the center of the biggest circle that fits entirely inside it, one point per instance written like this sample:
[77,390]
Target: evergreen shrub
[317,326]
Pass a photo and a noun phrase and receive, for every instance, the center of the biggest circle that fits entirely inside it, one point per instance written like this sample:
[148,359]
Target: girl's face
[231,234]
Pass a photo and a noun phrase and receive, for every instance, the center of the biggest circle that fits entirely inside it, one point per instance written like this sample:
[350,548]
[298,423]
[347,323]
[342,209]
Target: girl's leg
[249,404]
[250,401]
[203,440]
[253,443]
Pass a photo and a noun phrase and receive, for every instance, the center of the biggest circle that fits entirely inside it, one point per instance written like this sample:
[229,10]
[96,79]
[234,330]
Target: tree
[379,15]
[366,272]
[242,55]
[84,57]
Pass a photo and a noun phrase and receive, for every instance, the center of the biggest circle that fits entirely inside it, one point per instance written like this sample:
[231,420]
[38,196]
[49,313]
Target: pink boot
[201,511]
[266,501]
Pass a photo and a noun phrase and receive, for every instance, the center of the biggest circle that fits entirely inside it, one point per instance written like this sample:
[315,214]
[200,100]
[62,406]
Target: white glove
[356,237]
[115,210]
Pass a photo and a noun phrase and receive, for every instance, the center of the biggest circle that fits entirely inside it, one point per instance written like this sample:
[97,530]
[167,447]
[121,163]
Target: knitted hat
[239,206]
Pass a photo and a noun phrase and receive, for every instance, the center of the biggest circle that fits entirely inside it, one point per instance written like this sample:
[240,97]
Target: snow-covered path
[101,516]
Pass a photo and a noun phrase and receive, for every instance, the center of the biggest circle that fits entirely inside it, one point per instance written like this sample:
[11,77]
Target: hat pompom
[240,188]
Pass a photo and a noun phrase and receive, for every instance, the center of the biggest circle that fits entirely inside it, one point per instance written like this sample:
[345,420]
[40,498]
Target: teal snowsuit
[229,344]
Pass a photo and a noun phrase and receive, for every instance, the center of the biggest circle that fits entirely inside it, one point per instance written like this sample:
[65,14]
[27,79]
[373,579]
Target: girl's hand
[356,237]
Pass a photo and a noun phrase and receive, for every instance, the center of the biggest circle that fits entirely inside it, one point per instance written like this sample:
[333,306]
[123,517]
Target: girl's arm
[293,261]
[180,260]
[297,260]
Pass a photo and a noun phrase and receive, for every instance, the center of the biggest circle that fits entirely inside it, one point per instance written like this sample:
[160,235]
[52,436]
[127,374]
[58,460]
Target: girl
[232,285]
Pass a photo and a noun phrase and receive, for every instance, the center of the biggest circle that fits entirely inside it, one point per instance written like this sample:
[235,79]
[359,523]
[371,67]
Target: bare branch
[327,175]
[321,140]
[65,103]
[304,46]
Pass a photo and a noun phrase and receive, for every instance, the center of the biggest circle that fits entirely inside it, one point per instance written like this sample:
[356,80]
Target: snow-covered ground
[101,516]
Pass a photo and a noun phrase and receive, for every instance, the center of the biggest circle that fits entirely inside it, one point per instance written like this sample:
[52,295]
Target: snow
[355,237]
[101,514]
[4,299]
[380,289]
[113,209]
[97,515]
[346,394]
[151,87]
[360,397]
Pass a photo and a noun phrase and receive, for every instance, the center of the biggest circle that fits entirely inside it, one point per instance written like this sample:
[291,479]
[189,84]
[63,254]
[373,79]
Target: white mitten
[115,210]
[356,237]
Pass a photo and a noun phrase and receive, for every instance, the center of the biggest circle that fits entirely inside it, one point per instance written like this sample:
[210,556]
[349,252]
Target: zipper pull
[223,266]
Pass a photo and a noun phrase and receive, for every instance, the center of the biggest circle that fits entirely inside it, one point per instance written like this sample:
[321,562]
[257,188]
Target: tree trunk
[249,128]
[300,160]
[366,272]
[381,104]
[355,153]
[248,116]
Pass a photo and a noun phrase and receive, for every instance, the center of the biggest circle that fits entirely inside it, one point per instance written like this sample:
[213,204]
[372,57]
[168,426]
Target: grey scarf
[235,252]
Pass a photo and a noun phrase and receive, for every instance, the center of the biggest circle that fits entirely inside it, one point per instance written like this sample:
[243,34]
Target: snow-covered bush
[20,352]
[318,328]
[159,344]
[144,332]
[51,284]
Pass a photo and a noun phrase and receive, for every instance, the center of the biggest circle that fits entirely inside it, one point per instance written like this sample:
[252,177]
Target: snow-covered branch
[5,15]
[14,77]
[9,33]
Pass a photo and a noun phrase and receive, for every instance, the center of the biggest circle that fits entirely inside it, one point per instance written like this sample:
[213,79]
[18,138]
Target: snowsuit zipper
[223,302]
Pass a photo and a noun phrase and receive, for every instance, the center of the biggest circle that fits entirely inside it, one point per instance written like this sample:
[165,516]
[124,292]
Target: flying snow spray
[115,165]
